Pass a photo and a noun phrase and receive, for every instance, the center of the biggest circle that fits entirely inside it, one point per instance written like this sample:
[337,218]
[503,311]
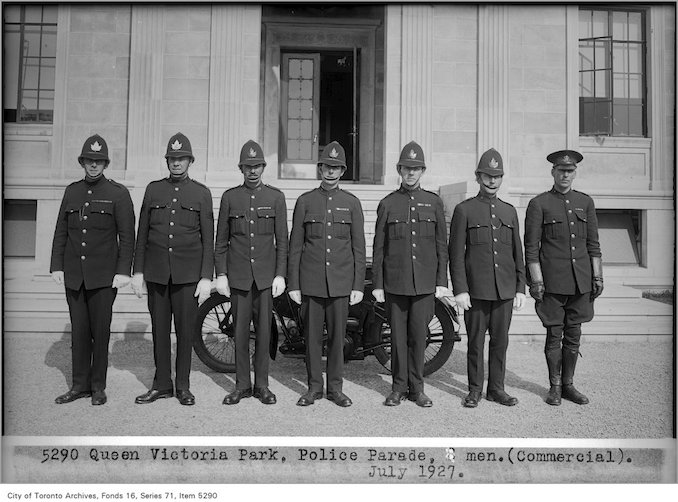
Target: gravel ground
[630,385]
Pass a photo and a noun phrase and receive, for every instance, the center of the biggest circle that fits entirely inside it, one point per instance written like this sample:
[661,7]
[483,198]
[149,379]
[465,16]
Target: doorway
[318,105]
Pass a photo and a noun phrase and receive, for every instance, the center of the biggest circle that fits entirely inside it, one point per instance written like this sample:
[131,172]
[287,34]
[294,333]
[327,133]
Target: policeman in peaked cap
[488,277]
[92,257]
[565,271]
[251,262]
[174,257]
[326,271]
[409,269]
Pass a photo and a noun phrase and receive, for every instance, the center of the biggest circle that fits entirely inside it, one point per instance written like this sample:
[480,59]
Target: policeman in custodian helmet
[488,277]
[565,271]
[251,262]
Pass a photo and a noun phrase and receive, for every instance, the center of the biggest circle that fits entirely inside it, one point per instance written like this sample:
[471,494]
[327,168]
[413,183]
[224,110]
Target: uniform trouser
[562,316]
[90,311]
[335,312]
[164,300]
[409,317]
[495,316]
[257,304]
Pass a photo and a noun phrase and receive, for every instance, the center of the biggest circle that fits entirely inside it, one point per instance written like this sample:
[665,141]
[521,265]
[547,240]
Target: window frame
[586,130]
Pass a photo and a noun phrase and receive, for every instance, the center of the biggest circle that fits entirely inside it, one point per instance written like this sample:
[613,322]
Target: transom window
[29,39]
[612,71]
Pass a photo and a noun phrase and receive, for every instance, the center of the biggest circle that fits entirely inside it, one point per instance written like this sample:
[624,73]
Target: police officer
[565,271]
[326,271]
[175,259]
[251,260]
[488,277]
[409,269]
[92,256]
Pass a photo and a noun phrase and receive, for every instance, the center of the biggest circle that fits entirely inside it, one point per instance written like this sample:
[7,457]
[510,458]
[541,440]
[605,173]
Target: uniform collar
[178,182]
[485,198]
[560,194]
[95,182]
[325,191]
[257,189]
[404,190]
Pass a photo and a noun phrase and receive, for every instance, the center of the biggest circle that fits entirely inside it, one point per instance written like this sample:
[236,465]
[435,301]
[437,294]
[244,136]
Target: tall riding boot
[569,392]
[553,362]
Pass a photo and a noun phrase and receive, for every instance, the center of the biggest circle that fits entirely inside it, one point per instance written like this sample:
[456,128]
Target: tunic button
[84,217]
[328,250]
[554,221]
[329,210]
[411,197]
[329,198]
[84,230]
[496,265]
[329,223]
[494,216]
[82,257]
[251,209]
[170,250]
[491,205]
[252,248]
[171,236]
[572,248]
[495,252]
[89,192]
[414,244]
[414,233]
[176,189]
[329,236]
[84,243]
[251,196]
[174,200]
[495,239]
[574,259]
[86,204]
[327,263]
[573,236]
[174,211]
[411,209]
[572,223]
[569,211]
[171,223]
[251,260]
[251,235]
[251,222]
[413,220]
[567,201]
[414,257]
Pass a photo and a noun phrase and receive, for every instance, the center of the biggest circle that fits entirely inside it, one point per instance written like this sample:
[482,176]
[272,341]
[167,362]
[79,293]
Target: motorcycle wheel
[439,343]
[214,341]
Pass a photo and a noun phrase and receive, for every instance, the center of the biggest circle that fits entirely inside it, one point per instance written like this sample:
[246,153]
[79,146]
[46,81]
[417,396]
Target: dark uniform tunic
[409,261]
[93,241]
[251,249]
[326,262]
[175,249]
[486,261]
[561,234]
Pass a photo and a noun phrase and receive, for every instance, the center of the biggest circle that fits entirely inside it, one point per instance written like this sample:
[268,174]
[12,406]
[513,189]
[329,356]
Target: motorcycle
[367,332]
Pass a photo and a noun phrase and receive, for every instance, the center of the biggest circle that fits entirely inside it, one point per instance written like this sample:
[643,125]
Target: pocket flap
[397,218]
[71,208]
[581,216]
[191,205]
[234,213]
[266,212]
[427,216]
[552,218]
[506,222]
[101,207]
[313,218]
[341,217]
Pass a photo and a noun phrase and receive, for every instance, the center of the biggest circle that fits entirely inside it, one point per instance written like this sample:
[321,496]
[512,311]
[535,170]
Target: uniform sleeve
[60,238]
[518,255]
[592,242]
[223,237]
[457,251]
[207,236]
[281,236]
[124,221]
[296,244]
[378,246]
[358,246]
[142,234]
[533,228]
[441,244]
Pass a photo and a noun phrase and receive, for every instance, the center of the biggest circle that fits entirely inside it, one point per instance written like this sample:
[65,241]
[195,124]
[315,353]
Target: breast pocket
[582,225]
[158,213]
[313,225]
[72,215]
[478,233]
[553,226]
[101,215]
[427,224]
[342,224]
[190,214]
[265,220]
[397,226]
[237,222]
[506,231]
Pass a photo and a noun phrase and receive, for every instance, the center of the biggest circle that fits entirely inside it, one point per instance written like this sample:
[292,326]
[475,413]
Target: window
[620,236]
[19,226]
[29,55]
[612,87]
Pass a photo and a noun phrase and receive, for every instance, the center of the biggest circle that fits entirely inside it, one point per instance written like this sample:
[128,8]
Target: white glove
[58,277]
[356,297]
[296,296]
[519,301]
[203,290]
[278,287]
[463,300]
[222,286]
[441,291]
[138,284]
[121,281]
[379,295]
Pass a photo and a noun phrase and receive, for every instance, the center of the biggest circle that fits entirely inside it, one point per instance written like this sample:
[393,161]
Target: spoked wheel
[214,341]
[439,343]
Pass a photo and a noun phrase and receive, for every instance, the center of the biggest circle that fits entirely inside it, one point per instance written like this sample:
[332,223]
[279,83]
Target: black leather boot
[569,364]
[553,362]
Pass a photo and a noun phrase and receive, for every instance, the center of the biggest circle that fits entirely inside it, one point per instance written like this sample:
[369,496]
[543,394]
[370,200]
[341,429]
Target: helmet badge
[251,154]
[334,154]
[176,145]
[96,147]
[493,163]
[412,154]
[566,159]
